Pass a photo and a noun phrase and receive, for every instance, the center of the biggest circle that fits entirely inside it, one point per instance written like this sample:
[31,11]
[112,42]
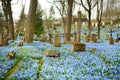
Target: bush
[21,34]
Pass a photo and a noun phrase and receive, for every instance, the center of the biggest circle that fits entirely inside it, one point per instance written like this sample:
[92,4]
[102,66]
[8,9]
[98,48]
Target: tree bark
[89,8]
[98,30]
[89,24]
[99,15]
[30,20]
[69,20]
[6,5]
[10,21]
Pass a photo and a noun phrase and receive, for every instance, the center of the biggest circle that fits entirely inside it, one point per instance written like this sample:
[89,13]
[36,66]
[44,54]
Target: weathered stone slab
[11,55]
[57,42]
[93,38]
[44,37]
[111,40]
[51,53]
[78,47]
[20,43]
[117,39]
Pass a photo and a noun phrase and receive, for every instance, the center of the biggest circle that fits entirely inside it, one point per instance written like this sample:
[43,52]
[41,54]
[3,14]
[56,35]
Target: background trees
[88,5]
[69,20]
[6,5]
[38,27]
[65,9]
[99,15]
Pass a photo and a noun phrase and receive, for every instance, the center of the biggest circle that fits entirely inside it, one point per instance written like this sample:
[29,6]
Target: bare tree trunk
[63,23]
[6,5]
[98,30]
[91,4]
[69,20]
[10,21]
[99,15]
[30,21]
[89,24]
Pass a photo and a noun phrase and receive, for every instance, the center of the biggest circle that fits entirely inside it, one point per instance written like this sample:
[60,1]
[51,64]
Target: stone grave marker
[11,55]
[44,37]
[78,47]
[111,40]
[52,53]
[117,39]
[20,43]
[57,42]
[50,37]
[93,38]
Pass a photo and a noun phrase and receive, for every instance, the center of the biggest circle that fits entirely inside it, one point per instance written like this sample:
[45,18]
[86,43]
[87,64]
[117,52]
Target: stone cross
[78,28]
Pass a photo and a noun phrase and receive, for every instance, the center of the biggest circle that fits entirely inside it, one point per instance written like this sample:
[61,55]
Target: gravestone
[1,40]
[78,47]
[44,37]
[51,53]
[117,39]
[93,38]
[11,55]
[57,42]
[50,38]
[111,40]
[20,43]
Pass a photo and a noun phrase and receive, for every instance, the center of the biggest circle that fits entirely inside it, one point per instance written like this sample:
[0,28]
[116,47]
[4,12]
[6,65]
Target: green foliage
[21,34]
[38,27]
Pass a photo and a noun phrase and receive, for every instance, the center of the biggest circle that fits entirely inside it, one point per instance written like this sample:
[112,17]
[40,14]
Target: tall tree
[88,5]
[6,5]
[99,15]
[38,27]
[29,29]
[62,11]
[69,20]
[21,22]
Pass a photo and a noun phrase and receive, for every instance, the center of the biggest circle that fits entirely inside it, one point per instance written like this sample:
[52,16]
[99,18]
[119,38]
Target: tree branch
[84,6]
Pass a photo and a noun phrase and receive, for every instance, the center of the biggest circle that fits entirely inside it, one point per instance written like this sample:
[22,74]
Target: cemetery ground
[99,61]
